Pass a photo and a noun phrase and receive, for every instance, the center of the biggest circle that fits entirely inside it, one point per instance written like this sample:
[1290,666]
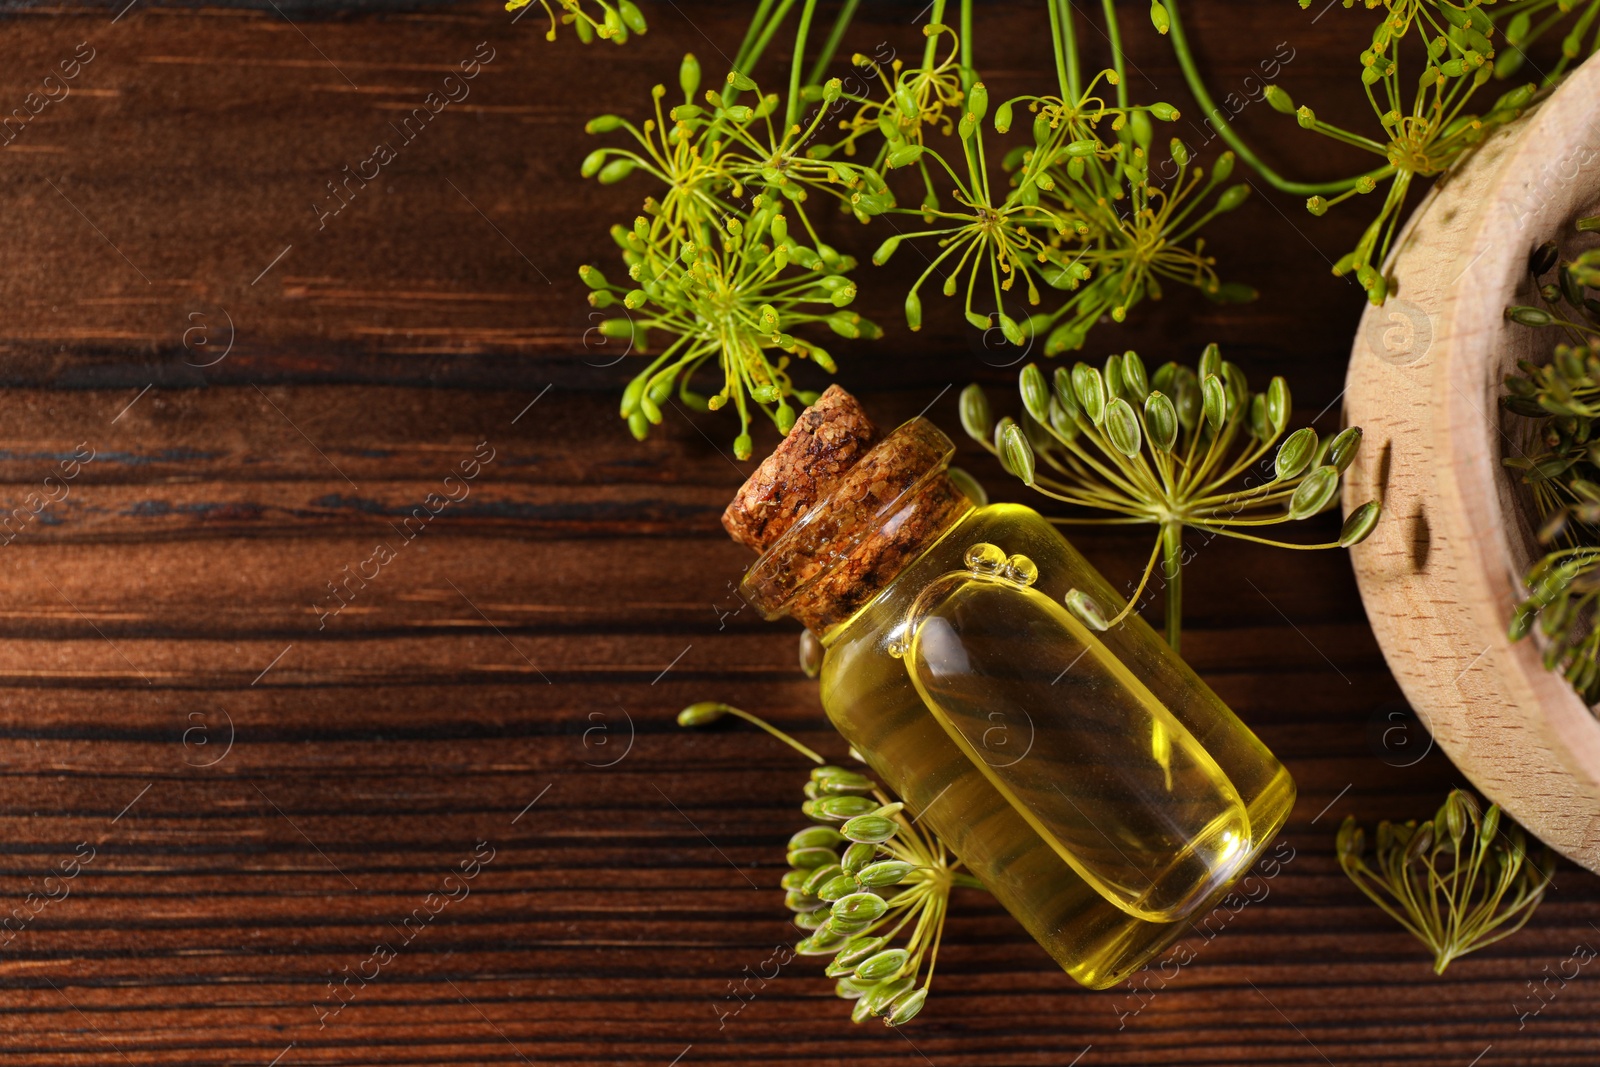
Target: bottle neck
[890,507]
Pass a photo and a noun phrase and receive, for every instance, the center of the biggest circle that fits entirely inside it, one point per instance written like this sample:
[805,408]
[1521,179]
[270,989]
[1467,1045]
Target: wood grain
[531,646]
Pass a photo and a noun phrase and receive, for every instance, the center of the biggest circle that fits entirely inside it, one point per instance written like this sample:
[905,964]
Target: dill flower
[617,19]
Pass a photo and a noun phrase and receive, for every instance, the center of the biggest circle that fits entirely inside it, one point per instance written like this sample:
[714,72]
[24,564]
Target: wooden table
[256,790]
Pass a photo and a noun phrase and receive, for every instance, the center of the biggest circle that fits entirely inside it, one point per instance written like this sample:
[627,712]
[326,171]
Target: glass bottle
[1099,789]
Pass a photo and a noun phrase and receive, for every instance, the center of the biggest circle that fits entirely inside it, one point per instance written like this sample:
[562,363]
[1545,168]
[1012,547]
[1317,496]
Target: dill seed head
[1183,448]
[1561,466]
[1457,882]
[891,883]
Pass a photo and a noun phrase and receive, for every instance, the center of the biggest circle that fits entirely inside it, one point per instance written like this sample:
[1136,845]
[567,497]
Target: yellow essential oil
[1097,787]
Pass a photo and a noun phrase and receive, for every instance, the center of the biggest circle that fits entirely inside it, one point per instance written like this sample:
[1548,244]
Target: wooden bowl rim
[1480,338]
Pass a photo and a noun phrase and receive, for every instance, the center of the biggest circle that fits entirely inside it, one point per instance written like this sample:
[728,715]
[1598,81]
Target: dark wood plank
[268,791]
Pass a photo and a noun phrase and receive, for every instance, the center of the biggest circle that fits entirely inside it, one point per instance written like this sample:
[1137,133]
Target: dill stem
[1172,565]
[792,112]
[1191,74]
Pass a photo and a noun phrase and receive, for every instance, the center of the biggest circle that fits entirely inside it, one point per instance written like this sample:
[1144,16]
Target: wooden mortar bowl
[1443,570]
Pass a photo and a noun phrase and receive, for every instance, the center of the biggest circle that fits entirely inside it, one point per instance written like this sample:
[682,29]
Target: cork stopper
[826,440]
[837,513]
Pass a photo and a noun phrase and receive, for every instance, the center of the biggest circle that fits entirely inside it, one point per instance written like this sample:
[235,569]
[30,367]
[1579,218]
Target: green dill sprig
[616,21]
[1458,882]
[1565,393]
[727,282]
[874,892]
[1568,303]
[1522,31]
[1425,122]
[1562,466]
[1073,209]
[1183,449]
[729,273]
[1564,396]
[1564,588]
[869,887]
